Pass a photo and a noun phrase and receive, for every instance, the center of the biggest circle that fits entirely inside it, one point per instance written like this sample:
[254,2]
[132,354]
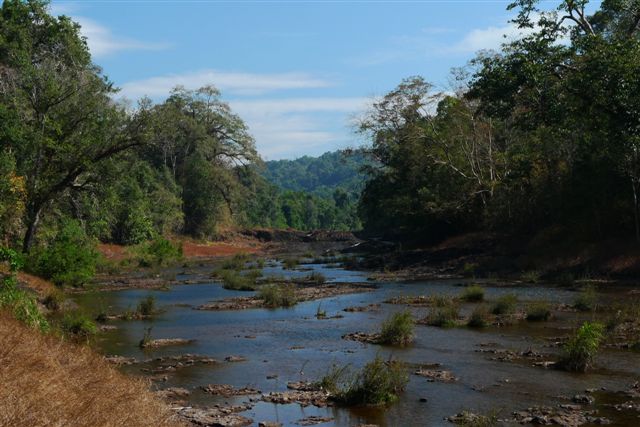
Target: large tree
[57,117]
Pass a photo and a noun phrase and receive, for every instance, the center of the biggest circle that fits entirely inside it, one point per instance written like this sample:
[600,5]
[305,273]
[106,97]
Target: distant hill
[320,176]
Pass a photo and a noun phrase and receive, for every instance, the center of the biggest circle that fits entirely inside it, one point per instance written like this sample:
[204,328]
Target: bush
[581,349]
[444,316]
[147,306]
[317,278]
[397,329]
[538,311]
[587,300]
[531,276]
[378,383]
[21,303]
[53,301]
[233,280]
[70,259]
[237,262]
[505,305]
[78,326]
[278,295]
[333,381]
[290,263]
[159,252]
[473,293]
[479,318]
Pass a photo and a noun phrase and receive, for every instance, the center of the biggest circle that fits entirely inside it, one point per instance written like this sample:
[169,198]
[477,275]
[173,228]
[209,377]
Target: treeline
[74,162]
[544,133]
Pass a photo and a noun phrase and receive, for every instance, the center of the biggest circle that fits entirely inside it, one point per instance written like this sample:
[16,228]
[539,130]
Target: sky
[299,73]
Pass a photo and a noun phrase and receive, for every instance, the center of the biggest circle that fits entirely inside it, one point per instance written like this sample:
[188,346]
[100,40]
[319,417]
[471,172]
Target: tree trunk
[33,219]
[635,209]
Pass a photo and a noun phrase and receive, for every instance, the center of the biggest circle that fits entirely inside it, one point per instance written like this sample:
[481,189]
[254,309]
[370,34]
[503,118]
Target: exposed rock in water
[235,359]
[362,337]
[302,293]
[302,386]
[307,397]
[433,375]
[165,342]
[227,390]
[216,416]
[361,308]
[269,424]
[564,415]
[161,365]
[468,419]
[313,420]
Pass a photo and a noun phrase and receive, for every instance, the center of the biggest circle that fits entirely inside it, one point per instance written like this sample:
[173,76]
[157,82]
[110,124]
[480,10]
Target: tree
[56,114]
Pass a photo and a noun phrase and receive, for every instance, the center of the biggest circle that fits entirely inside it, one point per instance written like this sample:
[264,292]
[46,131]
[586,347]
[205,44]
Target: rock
[313,420]
[219,417]
[173,393]
[227,390]
[362,337]
[164,342]
[358,309]
[436,375]
[423,399]
[269,424]
[317,398]
[583,399]
[235,359]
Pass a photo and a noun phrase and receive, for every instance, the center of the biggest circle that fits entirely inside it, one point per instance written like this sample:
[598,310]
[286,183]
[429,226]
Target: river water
[294,345]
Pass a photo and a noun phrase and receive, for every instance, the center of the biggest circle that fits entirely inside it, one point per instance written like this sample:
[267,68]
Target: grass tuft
[397,329]
[473,293]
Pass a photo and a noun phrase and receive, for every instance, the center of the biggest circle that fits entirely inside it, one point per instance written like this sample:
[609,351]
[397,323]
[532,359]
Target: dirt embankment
[46,381]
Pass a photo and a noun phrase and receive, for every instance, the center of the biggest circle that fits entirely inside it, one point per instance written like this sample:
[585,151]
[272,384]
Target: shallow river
[294,345]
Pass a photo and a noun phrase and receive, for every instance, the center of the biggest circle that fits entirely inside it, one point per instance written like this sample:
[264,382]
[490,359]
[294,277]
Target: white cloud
[488,38]
[103,42]
[288,128]
[233,83]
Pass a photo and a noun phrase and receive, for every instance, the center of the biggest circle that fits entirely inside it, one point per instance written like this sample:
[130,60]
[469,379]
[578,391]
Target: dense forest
[543,135]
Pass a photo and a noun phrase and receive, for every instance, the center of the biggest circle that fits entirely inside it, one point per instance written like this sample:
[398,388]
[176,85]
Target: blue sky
[297,72]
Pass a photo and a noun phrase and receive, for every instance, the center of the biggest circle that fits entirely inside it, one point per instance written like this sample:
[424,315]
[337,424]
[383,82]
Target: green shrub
[22,304]
[282,295]
[53,301]
[317,278]
[473,293]
[237,262]
[581,349]
[378,383]
[440,300]
[334,380]
[538,311]
[290,263]
[531,276]
[320,313]
[159,252]
[233,280]
[397,329]
[480,317]
[69,259]
[505,305]
[78,326]
[444,316]
[469,269]
[147,306]
[587,299]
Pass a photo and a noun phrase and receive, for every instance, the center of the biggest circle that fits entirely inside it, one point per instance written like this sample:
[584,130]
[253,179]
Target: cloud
[233,83]
[288,128]
[488,38]
[102,42]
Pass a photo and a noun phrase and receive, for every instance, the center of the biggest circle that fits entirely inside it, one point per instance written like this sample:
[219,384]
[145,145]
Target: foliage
[587,299]
[282,295]
[397,329]
[505,305]
[445,314]
[158,252]
[236,281]
[69,259]
[538,311]
[378,383]
[147,306]
[317,278]
[77,325]
[290,263]
[581,349]
[473,293]
[479,317]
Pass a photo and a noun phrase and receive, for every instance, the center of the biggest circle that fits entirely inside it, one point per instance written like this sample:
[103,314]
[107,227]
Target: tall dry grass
[45,381]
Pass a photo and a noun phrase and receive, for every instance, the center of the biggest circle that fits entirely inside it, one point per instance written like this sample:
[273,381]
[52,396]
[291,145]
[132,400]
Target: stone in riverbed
[235,359]
[433,375]
[164,342]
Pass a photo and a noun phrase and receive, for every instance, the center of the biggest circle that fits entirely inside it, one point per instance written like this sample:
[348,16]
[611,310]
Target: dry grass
[48,382]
